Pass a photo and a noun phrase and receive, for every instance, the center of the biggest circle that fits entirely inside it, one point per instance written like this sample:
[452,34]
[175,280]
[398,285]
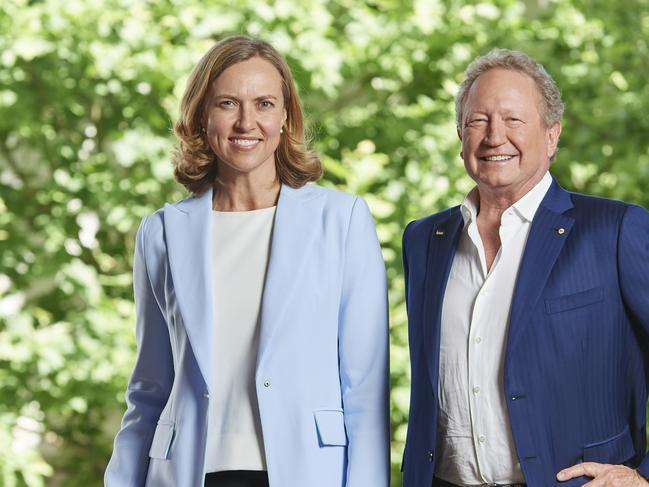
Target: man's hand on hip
[604,475]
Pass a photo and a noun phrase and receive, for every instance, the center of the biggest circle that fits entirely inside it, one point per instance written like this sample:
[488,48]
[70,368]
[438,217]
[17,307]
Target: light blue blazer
[322,363]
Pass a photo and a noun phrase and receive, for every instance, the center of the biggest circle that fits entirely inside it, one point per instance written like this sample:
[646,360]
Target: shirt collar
[525,207]
[469,207]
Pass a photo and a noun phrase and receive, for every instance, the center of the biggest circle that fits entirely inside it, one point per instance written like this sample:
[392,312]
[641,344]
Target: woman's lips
[243,143]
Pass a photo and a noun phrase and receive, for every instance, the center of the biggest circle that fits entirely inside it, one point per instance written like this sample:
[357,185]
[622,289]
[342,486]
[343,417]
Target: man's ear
[459,135]
[553,134]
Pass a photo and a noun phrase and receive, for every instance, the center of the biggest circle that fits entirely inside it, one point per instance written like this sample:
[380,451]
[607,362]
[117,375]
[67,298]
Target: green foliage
[88,93]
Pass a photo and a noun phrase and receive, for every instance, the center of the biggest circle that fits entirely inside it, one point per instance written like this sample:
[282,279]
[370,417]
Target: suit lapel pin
[560,230]
[439,232]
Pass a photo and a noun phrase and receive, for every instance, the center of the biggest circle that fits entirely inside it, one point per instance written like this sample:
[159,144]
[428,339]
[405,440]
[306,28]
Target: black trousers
[443,483]
[237,478]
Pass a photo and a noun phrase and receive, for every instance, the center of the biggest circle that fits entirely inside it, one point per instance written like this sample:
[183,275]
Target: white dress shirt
[240,259]
[474,439]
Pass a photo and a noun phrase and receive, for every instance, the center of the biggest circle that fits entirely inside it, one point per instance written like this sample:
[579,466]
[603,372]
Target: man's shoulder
[597,206]
[421,228]
[587,200]
[603,213]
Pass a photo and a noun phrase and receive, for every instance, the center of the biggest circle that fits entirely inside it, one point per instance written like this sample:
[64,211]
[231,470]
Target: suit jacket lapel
[188,233]
[294,230]
[549,231]
[441,250]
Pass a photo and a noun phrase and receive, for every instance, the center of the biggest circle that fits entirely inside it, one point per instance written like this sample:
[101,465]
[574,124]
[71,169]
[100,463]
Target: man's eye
[477,121]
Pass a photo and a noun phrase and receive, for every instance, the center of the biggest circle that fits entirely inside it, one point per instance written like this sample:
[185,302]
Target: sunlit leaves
[89,91]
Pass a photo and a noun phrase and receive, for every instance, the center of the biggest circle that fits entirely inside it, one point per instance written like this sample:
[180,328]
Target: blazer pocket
[615,450]
[573,301]
[162,438]
[330,424]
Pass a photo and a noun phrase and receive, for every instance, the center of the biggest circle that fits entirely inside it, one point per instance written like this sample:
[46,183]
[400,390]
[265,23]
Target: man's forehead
[507,86]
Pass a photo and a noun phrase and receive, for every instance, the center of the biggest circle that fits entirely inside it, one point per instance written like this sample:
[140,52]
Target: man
[528,308]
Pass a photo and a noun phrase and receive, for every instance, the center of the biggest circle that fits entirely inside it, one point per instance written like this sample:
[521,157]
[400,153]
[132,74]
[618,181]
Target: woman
[261,303]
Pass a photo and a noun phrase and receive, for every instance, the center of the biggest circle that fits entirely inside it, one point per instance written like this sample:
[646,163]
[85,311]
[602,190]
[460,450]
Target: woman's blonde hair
[195,164]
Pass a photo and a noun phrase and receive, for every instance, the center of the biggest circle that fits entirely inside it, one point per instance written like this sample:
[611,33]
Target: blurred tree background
[89,90]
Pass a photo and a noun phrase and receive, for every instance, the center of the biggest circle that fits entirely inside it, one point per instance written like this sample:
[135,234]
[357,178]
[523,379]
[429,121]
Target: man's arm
[633,268]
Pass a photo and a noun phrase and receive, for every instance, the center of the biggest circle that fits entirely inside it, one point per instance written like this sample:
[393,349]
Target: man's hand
[604,475]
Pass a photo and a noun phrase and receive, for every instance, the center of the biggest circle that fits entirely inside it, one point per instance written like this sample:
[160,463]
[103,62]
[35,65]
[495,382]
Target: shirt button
[478,339]
[476,390]
[266,383]
[482,438]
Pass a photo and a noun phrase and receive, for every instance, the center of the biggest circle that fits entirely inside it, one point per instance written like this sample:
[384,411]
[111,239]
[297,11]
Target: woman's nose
[246,121]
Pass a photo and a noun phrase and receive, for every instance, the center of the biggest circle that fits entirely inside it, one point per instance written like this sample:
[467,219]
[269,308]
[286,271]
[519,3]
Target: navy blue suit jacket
[577,358]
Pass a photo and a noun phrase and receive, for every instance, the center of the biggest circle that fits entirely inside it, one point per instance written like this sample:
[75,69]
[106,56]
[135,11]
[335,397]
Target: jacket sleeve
[633,265]
[363,353]
[406,274]
[404,259]
[150,383]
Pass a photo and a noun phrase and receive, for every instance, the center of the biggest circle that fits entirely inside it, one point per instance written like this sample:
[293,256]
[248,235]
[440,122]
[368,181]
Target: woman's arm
[150,383]
[363,351]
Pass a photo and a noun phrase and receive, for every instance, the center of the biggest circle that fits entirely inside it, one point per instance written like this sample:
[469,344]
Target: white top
[240,259]
[474,439]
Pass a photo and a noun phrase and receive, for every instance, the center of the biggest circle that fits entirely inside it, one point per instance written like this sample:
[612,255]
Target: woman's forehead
[255,74]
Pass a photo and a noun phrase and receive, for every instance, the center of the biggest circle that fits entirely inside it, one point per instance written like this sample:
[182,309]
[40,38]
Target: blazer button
[431,456]
[206,395]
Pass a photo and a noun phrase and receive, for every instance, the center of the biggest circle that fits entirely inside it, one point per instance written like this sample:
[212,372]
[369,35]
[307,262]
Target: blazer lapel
[549,231]
[441,250]
[294,230]
[188,228]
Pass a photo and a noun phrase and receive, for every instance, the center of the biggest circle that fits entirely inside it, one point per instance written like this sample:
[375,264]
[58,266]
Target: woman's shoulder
[332,197]
[152,227]
[338,204]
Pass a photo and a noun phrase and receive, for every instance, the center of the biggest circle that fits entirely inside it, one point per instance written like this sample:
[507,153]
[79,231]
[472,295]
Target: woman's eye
[266,104]
[226,103]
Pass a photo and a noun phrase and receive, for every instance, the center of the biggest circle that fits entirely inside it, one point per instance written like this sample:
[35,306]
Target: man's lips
[497,157]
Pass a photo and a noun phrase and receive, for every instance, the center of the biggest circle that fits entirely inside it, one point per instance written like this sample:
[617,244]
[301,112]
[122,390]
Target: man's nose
[496,133]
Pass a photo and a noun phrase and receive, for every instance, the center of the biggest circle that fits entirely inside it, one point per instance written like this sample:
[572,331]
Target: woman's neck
[244,194]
